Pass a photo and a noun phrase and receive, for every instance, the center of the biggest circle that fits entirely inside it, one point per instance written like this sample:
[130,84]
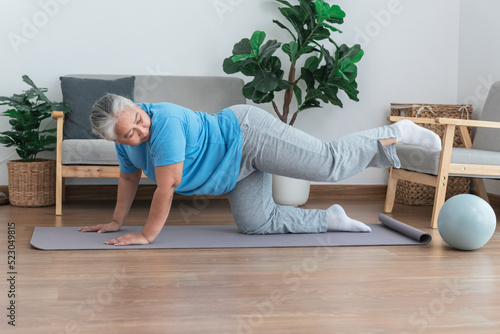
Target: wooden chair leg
[391,192]
[63,189]
[59,194]
[443,172]
[439,199]
[59,176]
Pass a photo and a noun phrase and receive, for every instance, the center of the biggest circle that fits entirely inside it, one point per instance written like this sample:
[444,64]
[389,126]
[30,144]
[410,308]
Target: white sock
[413,134]
[338,221]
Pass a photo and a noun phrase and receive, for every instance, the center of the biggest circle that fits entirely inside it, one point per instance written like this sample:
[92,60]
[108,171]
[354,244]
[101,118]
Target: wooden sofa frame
[63,171]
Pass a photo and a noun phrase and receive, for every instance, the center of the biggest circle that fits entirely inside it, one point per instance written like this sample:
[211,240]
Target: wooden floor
[410,289]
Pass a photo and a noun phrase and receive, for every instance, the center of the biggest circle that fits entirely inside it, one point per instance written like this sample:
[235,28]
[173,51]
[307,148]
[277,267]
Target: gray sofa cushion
[89,152]
[81,94]
[416,158]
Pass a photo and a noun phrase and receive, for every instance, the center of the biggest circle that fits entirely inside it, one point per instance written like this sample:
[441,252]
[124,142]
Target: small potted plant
[31,180]
[322,76]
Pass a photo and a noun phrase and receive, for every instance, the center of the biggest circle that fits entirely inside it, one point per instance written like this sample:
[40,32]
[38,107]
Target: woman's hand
[101,228]
[129,239]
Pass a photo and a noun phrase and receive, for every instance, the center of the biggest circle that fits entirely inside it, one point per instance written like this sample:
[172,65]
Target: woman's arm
[167,179]
[127,187]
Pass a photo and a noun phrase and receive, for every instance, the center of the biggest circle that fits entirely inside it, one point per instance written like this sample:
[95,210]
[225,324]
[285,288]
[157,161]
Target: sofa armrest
[59,117]
[57,114]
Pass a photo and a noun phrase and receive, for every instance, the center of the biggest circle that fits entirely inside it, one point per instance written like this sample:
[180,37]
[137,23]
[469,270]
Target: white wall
[411,50]
[479,51]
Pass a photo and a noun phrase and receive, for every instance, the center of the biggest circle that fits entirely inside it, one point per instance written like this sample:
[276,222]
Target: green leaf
[273,64]
[293,16]
[322,10]
[331,93]
[243,47]
[30,82]
[312,63]
[230,67]
[268,49]
[349,70]
[358,56]
[313,94]
[239,58]
[61,106]
[329,67]
[291,50]
[346,87]
[354,53]
[13,113]
[308,77]
[250,69]
[320,33]
[306,49]
[13,101]
[53,130]
[336,12]
[265,81]
[308,11]
[256,41]
[309,105]
[256,96]
[282,85]
[329,26]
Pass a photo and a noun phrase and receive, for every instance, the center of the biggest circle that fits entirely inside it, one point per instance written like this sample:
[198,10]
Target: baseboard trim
[105,192]
[318,191]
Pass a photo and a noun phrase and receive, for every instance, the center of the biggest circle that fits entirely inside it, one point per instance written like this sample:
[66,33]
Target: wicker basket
[32,184]
[412,193]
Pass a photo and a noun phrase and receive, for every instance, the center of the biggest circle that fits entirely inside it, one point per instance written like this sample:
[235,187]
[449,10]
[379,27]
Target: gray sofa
[82,154]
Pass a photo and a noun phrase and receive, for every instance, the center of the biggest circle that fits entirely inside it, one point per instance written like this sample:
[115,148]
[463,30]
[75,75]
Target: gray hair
[105,114]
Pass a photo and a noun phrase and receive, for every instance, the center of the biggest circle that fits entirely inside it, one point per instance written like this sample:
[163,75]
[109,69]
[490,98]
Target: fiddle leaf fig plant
[27,111]
[323,74]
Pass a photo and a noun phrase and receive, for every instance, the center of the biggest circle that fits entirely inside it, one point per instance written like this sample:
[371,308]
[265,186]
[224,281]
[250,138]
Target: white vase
[288,191]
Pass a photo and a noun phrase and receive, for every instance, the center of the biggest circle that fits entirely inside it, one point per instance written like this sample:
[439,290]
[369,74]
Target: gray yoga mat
[389,232]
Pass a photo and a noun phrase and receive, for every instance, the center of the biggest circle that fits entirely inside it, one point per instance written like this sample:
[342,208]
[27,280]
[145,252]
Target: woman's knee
[250,225]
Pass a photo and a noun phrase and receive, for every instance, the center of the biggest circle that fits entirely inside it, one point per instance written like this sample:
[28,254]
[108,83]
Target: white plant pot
[288,191]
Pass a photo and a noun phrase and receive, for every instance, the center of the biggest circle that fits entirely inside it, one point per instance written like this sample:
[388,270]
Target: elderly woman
[235,152]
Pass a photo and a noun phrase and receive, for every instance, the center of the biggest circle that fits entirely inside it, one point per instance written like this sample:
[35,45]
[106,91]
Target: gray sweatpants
[272,147]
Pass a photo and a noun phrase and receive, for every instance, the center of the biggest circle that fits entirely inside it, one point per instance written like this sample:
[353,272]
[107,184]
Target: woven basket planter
[32,184]
[412,193]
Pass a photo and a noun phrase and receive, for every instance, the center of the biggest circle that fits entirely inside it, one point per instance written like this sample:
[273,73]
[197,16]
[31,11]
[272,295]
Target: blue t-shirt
[209,144]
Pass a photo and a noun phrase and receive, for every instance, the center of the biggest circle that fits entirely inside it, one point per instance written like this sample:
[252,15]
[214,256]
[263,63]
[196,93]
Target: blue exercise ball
[466,222]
